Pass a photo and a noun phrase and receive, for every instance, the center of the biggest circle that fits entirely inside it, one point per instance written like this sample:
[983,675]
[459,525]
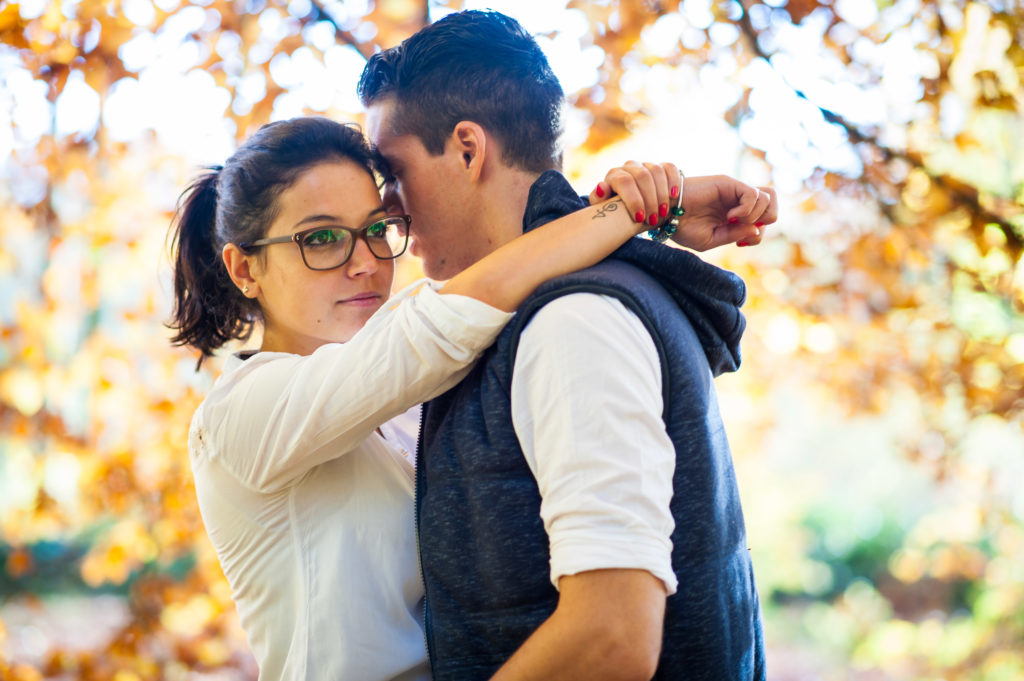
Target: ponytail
[208,308]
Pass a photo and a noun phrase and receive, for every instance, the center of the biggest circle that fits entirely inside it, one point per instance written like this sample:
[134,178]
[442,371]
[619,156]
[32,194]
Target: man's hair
[477,66]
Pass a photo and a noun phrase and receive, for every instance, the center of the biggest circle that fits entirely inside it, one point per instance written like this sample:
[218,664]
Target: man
[576,503]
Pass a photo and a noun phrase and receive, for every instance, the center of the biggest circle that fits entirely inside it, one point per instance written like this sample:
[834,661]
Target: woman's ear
[471,141]
[238,265]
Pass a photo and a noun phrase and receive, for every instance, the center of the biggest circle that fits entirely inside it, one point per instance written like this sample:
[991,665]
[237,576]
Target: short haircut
[477,66]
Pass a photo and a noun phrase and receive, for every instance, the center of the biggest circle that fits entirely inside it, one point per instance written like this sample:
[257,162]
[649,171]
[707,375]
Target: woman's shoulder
[241,365]
[243,374]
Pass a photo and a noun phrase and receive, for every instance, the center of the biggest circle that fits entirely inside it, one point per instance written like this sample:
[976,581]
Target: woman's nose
[362,261]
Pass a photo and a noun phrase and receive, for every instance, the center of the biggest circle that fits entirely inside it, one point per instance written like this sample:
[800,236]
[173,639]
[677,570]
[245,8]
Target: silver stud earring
[245,289]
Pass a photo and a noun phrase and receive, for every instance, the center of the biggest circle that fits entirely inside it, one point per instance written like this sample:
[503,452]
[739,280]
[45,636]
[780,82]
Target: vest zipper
[417,479]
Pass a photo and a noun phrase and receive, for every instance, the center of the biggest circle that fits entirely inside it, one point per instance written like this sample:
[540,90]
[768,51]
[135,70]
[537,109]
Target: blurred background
[878,418]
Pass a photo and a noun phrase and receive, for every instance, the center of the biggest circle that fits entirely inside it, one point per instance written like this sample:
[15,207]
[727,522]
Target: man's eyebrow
[380,163]
[333,218]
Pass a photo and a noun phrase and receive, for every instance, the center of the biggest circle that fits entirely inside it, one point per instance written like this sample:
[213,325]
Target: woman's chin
[353,320]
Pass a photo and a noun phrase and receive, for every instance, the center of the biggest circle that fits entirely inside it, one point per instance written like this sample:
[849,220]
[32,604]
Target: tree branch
[968,197]
[320,14]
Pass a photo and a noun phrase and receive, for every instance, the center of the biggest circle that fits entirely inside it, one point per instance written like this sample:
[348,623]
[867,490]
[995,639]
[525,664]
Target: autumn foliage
[878,419]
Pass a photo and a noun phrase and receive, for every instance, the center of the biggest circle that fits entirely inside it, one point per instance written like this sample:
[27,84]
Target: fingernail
[599,192]
[742,243]
[653,220]
[733,221]
[663,210]
[758,224]
[674,193]
[639,216]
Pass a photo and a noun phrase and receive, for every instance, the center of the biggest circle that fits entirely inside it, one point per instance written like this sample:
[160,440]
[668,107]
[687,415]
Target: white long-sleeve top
[309,509]
[586,406]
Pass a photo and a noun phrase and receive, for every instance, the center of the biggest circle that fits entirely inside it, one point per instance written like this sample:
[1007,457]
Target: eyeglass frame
[356,233]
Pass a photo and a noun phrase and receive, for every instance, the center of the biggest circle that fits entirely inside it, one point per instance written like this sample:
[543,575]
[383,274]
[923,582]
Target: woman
[307,499]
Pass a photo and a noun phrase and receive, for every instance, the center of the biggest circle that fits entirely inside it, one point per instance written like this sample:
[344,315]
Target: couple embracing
[563,505]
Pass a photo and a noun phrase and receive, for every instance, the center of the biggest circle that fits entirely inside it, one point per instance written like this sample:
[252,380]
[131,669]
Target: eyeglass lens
[331,246]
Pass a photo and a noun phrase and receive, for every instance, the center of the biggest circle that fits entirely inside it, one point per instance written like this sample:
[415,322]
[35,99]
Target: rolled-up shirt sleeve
[586,405]
[275,416]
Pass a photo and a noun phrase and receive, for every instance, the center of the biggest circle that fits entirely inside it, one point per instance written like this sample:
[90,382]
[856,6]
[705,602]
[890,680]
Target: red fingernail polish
[758,224]
[599,192]
[742,243]
[639,216]
[663,210]
[652,221]
[733,221]
[674,193]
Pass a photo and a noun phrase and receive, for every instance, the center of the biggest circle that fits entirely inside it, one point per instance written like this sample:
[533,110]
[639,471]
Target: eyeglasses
[327,248]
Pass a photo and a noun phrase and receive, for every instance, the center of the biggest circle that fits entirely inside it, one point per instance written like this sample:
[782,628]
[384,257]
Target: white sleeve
[278,415]
[586,406]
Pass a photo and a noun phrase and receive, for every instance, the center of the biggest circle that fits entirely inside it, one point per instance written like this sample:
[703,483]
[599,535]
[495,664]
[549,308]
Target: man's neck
[505,205]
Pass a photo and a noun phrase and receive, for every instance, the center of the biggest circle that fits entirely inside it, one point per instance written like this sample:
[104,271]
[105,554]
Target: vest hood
[709,296]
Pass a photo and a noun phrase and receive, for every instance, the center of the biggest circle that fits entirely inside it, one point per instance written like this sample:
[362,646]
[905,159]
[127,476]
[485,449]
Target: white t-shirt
[310,509]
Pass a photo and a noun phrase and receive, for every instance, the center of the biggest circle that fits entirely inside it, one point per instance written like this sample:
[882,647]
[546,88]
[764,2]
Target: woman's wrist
[615,209]
[668,228]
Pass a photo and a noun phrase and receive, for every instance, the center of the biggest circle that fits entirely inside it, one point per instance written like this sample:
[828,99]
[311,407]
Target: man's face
[431,189]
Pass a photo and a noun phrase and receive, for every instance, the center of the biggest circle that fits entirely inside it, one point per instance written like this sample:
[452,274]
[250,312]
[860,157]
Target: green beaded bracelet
[669,228]
[665,231]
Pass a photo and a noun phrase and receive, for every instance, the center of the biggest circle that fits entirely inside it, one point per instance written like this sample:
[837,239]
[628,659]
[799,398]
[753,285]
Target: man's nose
[392,200]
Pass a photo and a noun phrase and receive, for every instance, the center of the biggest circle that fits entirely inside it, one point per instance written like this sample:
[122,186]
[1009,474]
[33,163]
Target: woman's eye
[321,237]
[377,230]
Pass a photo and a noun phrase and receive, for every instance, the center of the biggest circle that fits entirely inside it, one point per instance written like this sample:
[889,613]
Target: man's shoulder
[584,322]
[612,287]
[612,276]
[576,308]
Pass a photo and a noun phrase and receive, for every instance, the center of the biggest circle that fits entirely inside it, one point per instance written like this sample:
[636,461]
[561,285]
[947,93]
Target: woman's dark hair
[479,66]
[236,203]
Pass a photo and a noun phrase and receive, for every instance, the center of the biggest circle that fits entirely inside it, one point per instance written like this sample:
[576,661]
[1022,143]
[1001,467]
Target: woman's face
[303,308]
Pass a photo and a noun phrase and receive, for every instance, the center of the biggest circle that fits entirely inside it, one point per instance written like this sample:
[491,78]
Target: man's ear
[238,264]
[472,143]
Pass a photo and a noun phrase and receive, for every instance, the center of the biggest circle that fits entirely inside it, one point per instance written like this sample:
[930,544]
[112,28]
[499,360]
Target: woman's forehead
[341,190]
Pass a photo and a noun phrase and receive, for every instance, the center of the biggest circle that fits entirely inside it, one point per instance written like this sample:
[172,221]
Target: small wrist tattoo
[607,208]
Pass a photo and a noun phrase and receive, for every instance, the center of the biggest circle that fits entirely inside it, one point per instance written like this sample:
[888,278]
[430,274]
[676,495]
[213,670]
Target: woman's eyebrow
[317,218]
[379,210]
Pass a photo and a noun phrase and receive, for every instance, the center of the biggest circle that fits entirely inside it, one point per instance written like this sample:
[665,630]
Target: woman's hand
[649,190]
[720,210]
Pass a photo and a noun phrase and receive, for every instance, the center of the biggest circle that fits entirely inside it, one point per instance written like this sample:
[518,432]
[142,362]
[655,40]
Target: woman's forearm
[505,277]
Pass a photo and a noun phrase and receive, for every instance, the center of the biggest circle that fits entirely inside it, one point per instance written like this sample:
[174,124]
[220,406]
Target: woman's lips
[362,300]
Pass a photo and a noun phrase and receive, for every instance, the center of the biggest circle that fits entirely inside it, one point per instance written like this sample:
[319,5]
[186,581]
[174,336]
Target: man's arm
[586,402]
[607,626]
